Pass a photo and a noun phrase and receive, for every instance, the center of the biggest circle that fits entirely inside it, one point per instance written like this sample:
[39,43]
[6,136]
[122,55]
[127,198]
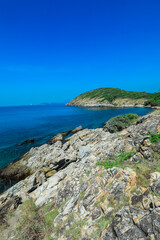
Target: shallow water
[44,121]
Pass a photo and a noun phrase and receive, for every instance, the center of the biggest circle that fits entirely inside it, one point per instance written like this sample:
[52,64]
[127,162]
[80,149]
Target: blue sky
[51,51]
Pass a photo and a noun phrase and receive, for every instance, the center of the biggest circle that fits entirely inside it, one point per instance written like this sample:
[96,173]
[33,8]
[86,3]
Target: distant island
[115,97]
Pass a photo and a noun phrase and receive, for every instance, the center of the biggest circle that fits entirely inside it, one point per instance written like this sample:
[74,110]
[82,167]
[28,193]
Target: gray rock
[156,187]
[70,205]
[124,227]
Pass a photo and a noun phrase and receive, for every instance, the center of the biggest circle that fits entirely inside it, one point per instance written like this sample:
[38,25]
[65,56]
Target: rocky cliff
[95,185]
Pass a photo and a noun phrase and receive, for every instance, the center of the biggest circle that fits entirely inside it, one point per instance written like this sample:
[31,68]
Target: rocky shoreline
[109,105]
[86,200]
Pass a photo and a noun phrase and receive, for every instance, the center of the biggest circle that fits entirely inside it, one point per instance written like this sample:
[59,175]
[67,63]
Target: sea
[42,122]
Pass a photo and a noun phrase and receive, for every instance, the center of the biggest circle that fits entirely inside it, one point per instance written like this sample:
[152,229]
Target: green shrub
[50,216]
[120,122]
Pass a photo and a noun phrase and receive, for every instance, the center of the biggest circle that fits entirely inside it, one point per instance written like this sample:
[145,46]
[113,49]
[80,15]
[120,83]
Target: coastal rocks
[8,205]
[89,103]
[82,145]
[101,102]
[50,173]
[58,137]
[89,201]
[44,193]
[86,198]
[36,180]
[130,224]
[77,129]
[66,133]
[156,187]
[16,171]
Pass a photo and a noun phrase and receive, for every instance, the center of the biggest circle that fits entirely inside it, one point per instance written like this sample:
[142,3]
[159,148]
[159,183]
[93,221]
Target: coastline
[112,106]
[67,176]
[18,170]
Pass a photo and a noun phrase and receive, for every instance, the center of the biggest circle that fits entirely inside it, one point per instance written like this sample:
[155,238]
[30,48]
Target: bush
[120,122]
[154,137]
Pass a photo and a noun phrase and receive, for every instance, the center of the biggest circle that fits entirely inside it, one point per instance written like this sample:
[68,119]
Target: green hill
[110,95]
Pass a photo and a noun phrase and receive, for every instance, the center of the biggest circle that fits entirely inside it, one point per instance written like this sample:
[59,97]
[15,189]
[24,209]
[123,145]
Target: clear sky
[51,51]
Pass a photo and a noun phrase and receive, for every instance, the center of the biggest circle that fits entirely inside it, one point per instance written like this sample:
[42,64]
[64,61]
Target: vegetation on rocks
[32,225]
[120,122]
[153,99]
[117,161]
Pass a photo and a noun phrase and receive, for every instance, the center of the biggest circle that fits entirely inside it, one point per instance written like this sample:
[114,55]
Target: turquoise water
[42,122]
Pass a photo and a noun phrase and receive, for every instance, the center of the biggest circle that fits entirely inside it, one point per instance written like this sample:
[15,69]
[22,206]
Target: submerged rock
[27,141]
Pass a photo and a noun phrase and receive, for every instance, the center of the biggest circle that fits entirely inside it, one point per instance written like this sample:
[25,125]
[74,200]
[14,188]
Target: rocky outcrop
[57,138]
[77,129]
[17,170]
[131,223]
[88,201]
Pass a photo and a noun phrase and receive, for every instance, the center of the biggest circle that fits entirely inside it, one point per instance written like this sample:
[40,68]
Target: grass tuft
[154,137]
[118,162]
